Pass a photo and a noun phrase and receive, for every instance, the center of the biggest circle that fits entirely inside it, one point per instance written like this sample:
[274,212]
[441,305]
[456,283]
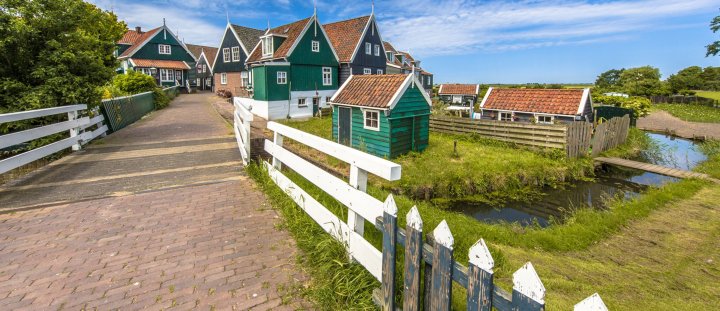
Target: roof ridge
[347,20]
[246,27]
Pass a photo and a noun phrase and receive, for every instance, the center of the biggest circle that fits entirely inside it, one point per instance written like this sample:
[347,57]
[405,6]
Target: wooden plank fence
[578,139]
[610,134]
[434,291]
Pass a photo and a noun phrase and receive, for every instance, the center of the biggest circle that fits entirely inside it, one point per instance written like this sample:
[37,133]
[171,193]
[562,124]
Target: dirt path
[673,255]
[662,121]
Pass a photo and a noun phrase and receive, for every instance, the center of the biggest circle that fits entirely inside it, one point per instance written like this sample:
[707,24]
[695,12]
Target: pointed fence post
[388,253]
[413,260]
[480,278]
[592,303]
[441,284]
[528,291]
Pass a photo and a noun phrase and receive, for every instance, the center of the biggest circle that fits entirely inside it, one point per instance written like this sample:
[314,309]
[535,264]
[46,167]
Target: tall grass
[691,112]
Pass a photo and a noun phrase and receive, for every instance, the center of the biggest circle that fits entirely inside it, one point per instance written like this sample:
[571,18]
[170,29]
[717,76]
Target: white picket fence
[76,125]
[242,120]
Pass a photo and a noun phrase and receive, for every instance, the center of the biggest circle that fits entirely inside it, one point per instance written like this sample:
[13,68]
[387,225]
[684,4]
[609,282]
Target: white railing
[361,206]
[243,118]
[76,125]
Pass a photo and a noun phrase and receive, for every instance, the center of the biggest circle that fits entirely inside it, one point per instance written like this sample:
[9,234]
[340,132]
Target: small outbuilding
[459,94]
[384,115]
[546,106]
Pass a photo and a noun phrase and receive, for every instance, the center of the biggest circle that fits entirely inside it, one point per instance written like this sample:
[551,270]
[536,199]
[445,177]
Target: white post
[358,180]
[72,115]
[248,140]
[278,139]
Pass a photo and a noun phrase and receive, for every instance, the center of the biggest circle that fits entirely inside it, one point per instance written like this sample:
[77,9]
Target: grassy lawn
[657,251]
[709,94]
[691,112]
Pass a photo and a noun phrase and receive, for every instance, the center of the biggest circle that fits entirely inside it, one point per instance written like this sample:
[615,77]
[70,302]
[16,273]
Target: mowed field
[709,94]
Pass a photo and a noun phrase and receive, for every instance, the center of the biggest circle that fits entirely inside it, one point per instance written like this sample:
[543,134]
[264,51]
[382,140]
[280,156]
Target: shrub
[639,105]
[224,93]
[134,82]
[161,100]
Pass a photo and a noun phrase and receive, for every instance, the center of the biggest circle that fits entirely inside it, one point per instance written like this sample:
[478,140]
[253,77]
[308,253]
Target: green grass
[709,94]
[691,112]
[637,141]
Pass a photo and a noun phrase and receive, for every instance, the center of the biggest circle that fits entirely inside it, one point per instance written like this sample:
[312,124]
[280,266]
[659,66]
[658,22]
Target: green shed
[384,115]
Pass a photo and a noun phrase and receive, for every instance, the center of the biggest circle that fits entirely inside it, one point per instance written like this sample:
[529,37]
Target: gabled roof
[549,101]
[196,50]
[389,48]
[346,35]
[155,63]
[291,31]
[459,89]
[136,40]
[210,53]
[248,37]
[375,91]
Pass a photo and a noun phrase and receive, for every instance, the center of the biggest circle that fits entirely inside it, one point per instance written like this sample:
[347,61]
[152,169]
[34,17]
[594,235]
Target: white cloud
[458,27]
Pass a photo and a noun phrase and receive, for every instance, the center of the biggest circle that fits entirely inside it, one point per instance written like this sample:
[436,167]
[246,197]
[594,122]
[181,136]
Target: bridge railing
[78,124]
[242,126]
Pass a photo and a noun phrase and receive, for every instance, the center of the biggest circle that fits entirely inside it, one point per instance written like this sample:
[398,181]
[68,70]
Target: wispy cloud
[442,27]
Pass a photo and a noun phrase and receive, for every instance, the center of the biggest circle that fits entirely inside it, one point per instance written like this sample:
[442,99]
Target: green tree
[689,78]
[609,80]
[134,82]
[54,53]
[642,81]
[714,48]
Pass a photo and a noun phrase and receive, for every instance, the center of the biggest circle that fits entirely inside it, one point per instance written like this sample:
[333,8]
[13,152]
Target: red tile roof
[390,48]
[137,40]
[550,101]
[458,89]
[167,64]
[292,31]
[369,90]
[345,35]
[197,50]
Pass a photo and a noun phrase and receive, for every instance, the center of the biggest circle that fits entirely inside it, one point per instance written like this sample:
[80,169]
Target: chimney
[138,29]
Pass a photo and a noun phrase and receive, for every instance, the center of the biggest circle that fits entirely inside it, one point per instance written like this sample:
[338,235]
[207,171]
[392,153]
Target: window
[204,68]
[178,75]
[267,48]
[379,71]
[388,55]
[245,79]
[235,53]
[281,77]
[505,116]
[315,46]
[544,119]
[199,68]
[367,71]
[372,120]
[377,50]
[301,102]
[226,55]
[167,75]
[146,71]
[223,78]
[327,75]
[327,99]
[164,49]
[368,48]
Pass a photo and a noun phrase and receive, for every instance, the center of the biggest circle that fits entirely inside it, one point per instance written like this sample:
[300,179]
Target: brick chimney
[138,29]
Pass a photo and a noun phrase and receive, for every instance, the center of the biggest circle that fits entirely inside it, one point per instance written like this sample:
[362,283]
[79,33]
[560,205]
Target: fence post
[528,291]
[358,180]
[592,303]
[480,277]
[278,140]
[427,276]
[413,259]
[388,253]
[73,115]
[441,284]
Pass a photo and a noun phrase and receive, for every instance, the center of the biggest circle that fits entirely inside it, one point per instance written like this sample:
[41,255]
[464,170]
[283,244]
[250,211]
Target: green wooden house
[156,52]
[384,115]
[294,71]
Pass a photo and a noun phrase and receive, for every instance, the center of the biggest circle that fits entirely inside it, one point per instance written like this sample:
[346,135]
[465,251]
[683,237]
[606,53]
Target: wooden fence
[680,99]
[123,111]
[242,120]
[610,134]
[436,257]
[82,126]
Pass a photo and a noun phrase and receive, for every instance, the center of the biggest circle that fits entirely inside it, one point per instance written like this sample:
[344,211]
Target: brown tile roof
[137,38]
[425,73]
[292,31]
[458,89]
[167,64]
[196,50]
[550,101]
[390,48]
[369,90]
[345,35]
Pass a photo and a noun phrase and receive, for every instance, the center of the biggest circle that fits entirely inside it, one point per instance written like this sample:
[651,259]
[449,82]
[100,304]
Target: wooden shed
[384,115]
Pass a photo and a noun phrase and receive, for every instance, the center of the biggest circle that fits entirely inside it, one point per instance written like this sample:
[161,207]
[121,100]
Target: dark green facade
[151,51]
[406,127]
[265,83]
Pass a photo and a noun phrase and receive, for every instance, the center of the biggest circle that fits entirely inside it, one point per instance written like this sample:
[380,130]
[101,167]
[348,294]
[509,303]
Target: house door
[344,123]
[316,105]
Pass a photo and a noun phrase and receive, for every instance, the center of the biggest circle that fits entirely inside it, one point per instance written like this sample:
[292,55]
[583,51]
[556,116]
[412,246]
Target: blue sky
[563,41]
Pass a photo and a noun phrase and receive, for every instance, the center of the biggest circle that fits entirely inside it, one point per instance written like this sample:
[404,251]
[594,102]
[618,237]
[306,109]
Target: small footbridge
[653,168]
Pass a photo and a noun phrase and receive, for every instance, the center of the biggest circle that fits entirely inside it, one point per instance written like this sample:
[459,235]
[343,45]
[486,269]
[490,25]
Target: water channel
[612,183]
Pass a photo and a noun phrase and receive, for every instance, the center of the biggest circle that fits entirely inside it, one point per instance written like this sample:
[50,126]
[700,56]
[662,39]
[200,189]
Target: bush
[134,82]
[224,93]
[639,105]
[160,98]
[110,91]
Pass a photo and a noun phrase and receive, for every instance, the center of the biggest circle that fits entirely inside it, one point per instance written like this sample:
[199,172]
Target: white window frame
[302,102]
[267,46]
[223,78]
[235,53]
[315,46]
[326,76]
[164,49]
[178,73]
[204,68]
[380,71]
[367,71]
[167,75]
[245,78]
[146,71]
[281,77]
[365,120]
[368,48]
[377,50]
[537,119]
[501,113]
[454,101]
[226,55]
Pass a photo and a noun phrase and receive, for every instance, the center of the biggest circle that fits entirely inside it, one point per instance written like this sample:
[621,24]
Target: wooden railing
[242,121]
[79,120]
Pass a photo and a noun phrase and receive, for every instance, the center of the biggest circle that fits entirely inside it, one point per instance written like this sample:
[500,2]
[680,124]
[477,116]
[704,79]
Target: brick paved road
[158,215]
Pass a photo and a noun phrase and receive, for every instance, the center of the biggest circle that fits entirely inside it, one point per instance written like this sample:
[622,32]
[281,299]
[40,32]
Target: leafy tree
[54,53]
[643,81]
[689,78]
[639,105]
[609,80]
[714,48]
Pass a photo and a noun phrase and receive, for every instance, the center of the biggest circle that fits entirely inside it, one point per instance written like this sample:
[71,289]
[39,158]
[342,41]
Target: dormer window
[315,46]
[267,46]
[388,55]
[164,49]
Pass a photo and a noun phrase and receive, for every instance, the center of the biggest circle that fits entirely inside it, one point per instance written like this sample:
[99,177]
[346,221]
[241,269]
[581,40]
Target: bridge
[158,214]
[653,168]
